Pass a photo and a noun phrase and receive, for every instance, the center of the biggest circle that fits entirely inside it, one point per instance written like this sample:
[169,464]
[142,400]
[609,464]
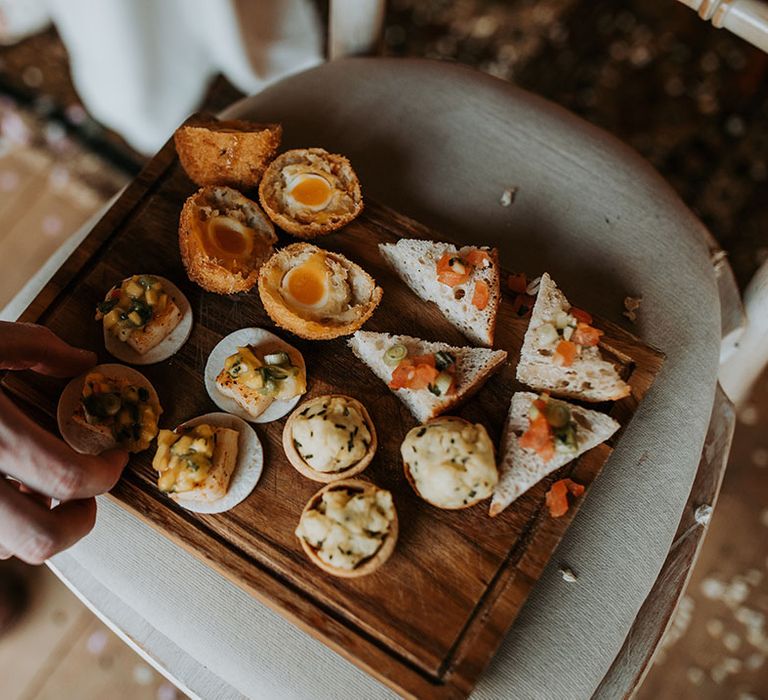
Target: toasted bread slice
[308,219]
[156,329]
[520,468]
[249,399]
[473,367]
[416,262]
[234,153]
[223,464]
[316,324]
[590,377]
[224,239]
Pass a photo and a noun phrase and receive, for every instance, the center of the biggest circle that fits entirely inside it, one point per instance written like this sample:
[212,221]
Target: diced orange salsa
[517,283]
[478,258]
[581,316]
[586,335]
[566,352]
[539,437]
[557,496]
[523,305]
[417,372]
[452,270]
[481,295]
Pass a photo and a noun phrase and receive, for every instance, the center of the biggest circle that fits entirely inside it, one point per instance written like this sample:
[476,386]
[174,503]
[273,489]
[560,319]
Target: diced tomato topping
[557,496]
[414,373]
[481,295]
[452,270]
[581,315]
[478,258]
[423,360]
[566,352]
[539,438]
[523,305]
[517,283]
[586,335]
[424,376]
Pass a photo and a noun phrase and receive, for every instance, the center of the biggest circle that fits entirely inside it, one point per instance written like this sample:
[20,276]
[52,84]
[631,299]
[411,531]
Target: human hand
[39,466]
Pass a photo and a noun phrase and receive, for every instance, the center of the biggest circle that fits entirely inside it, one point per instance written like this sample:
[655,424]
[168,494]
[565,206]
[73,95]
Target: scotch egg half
[310,192]
[316,293]
[224,238]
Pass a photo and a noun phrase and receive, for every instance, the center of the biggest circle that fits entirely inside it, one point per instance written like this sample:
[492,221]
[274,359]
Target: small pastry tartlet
[450,462]
[349,528]
[329,438]
[309,192]
[255,375]
[109,406]
[210,463]
[146,319]
[234,153]
[315,293]
[224,239]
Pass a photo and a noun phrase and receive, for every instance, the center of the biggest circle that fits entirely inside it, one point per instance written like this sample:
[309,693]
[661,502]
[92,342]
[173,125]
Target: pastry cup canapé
[415,488]
[372,563]
[310,472]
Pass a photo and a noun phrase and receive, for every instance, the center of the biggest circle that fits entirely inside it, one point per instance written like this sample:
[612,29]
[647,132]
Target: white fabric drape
[142,66]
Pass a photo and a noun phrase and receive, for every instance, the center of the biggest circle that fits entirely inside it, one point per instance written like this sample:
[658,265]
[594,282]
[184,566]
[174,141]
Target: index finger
[29,346]
[45,464]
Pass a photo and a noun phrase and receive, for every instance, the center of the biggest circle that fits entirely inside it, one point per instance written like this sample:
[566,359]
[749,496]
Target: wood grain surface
[429,621]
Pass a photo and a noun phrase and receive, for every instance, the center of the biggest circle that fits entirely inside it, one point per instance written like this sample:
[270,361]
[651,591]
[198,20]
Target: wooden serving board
[429,621]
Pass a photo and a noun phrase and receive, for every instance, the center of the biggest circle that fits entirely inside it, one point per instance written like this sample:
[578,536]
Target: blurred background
[691,99]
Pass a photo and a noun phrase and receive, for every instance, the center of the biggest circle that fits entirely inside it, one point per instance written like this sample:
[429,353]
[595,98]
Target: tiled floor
[59,650]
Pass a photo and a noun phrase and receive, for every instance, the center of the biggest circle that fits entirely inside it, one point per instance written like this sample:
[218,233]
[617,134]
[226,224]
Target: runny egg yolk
[307,284]
[227,240]
[310,191]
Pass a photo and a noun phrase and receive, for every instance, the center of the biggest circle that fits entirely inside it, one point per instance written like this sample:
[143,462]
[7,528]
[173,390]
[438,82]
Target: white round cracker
[75,435]
[248,468]
[228,346]
[168,346]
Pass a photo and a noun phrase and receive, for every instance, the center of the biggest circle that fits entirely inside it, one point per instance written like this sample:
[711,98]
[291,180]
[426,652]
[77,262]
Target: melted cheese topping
[452,462]
[346,528]
[184,460]
[331,435]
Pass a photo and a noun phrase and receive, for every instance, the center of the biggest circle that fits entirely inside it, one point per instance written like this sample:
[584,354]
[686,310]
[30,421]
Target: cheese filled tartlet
[110,406]
[210,463]
[234,152]
[330,438]
[309,192]
[224,239]
[315,293]
[349,528]
[255,375]
[146,319]
[450,462]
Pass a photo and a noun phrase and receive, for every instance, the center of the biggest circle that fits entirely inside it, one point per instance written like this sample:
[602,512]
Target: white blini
[248,465]
[168,346]
[260,339]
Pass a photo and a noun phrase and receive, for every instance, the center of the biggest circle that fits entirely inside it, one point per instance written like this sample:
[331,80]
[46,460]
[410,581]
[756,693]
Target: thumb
[29,346]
